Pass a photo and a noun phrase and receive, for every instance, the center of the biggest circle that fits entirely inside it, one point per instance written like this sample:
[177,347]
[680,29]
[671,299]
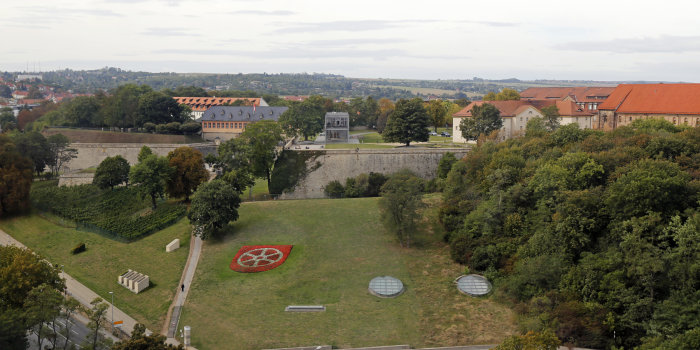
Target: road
[78,333]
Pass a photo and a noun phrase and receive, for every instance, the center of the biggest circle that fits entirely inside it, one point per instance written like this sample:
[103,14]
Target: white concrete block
[175,244]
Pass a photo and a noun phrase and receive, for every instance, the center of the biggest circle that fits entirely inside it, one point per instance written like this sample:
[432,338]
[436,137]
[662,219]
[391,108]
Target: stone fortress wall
[92,154]
[342,164]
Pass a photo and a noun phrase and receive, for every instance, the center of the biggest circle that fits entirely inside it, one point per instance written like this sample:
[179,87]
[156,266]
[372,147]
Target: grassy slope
[105,259]
[338,247]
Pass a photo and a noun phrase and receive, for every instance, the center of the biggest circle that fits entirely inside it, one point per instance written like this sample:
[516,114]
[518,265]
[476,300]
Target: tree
[506,94]
[485,119]
[158,108]
[35,146]
[462,102]
[24,277]
[401,199]
[234,161]
[113,171]
[144,153]
[60,152]
[15,178]
[70,308]
[189,171]
[445,165]
[6,117]
[43,305]
[214,205]
[438,113]
[5,91]
[551,117]
[386,107]
[303,119]
[408,122]
[98,318]
[83,111]
[121,108]
[140,341]
[151,176]
[262,139]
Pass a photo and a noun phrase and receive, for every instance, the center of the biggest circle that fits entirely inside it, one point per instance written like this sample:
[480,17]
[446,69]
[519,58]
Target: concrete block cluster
[134,281]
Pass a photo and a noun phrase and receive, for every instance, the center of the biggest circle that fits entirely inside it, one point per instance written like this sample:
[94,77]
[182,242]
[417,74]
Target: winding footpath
[79,292]
[173,316]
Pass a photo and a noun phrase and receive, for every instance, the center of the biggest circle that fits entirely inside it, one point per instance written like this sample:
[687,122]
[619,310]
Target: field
[97,136]
[339,246]
[105,259]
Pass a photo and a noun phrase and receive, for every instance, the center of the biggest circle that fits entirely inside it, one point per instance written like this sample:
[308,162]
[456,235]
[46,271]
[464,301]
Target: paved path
[81,293]
[170,330]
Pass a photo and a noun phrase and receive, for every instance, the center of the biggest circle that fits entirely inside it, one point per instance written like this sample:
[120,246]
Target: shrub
[149,127]
[190,128]
[172,128]
[161,129]
[376,181]
[334,189]
[78,249]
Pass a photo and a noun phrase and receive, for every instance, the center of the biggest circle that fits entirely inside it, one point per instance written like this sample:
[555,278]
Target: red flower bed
[258,258]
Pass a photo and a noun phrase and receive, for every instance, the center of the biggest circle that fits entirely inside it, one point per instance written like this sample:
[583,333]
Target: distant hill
[330,85]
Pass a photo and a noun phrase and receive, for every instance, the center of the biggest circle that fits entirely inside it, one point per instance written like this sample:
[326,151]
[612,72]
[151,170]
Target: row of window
[675,120]
[223,125]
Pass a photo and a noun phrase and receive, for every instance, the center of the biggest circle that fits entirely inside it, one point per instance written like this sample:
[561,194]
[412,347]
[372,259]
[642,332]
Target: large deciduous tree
[15,178]
[303,119]
[507,94]
[550,116]
[235,163]
[151,176]
[401,199]
[98,318]
[189,171]
[35,146]
[437,111]
[140,341]
[158,108]
[262,139]
[60,152]
[408,122]
[25,281]
[113,171]
[485,119]
[214,205]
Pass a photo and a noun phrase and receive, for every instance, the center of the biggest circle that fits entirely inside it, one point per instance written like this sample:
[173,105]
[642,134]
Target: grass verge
[105,259]
[339,246]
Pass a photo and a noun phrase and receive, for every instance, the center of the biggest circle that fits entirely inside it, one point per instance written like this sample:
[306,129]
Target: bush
[161,129]
[376,181]
[190,128]
[334,189]
[172,128]
[78,249]
[149,127]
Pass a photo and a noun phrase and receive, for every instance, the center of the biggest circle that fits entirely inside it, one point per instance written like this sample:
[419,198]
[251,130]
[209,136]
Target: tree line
[591,235]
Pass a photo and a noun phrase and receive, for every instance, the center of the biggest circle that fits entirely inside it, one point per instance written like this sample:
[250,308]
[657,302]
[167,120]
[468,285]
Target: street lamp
[112,293]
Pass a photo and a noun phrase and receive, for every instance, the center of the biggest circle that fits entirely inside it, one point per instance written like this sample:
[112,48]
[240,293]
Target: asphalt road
[78,334]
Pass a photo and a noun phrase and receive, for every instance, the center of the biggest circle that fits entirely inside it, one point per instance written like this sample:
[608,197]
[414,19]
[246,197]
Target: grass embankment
[105,259]
[357,145]
[339,246]
[98,136]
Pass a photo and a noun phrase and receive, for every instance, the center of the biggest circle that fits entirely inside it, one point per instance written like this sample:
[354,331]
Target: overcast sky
[436,39]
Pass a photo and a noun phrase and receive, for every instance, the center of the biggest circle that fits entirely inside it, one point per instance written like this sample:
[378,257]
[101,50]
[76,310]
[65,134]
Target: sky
[610,40]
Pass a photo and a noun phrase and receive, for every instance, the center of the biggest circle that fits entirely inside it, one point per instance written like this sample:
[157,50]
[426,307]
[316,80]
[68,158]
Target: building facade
[336,127]
[676,103]
[200,104]
[226,122]
[515,115]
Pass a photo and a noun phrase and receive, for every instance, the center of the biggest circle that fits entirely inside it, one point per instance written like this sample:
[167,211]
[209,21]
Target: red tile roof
[201,104]
[507,108]
[511,108]
[654,99]
[578,93]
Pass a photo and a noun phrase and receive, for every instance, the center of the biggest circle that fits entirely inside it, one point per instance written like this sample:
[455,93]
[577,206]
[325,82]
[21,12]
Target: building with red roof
[200,104]
[676,103]
[516,114]
[587,98]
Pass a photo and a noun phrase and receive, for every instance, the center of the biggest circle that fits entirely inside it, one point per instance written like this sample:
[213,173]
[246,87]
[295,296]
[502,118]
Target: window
[630,118]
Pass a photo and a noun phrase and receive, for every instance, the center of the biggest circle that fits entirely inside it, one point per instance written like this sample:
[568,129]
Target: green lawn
[260,191]
[339,246]
[357,145]
[105,259]
[373,137]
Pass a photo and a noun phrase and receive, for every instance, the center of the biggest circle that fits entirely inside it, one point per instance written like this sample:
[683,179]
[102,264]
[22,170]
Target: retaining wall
[342,164]
[92,154]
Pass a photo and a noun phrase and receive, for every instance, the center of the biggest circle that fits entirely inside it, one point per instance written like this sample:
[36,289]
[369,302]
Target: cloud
[661,44]
[291,53]
[347,26]
[493,23]
[329,43]
[169,32]
[264,13]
